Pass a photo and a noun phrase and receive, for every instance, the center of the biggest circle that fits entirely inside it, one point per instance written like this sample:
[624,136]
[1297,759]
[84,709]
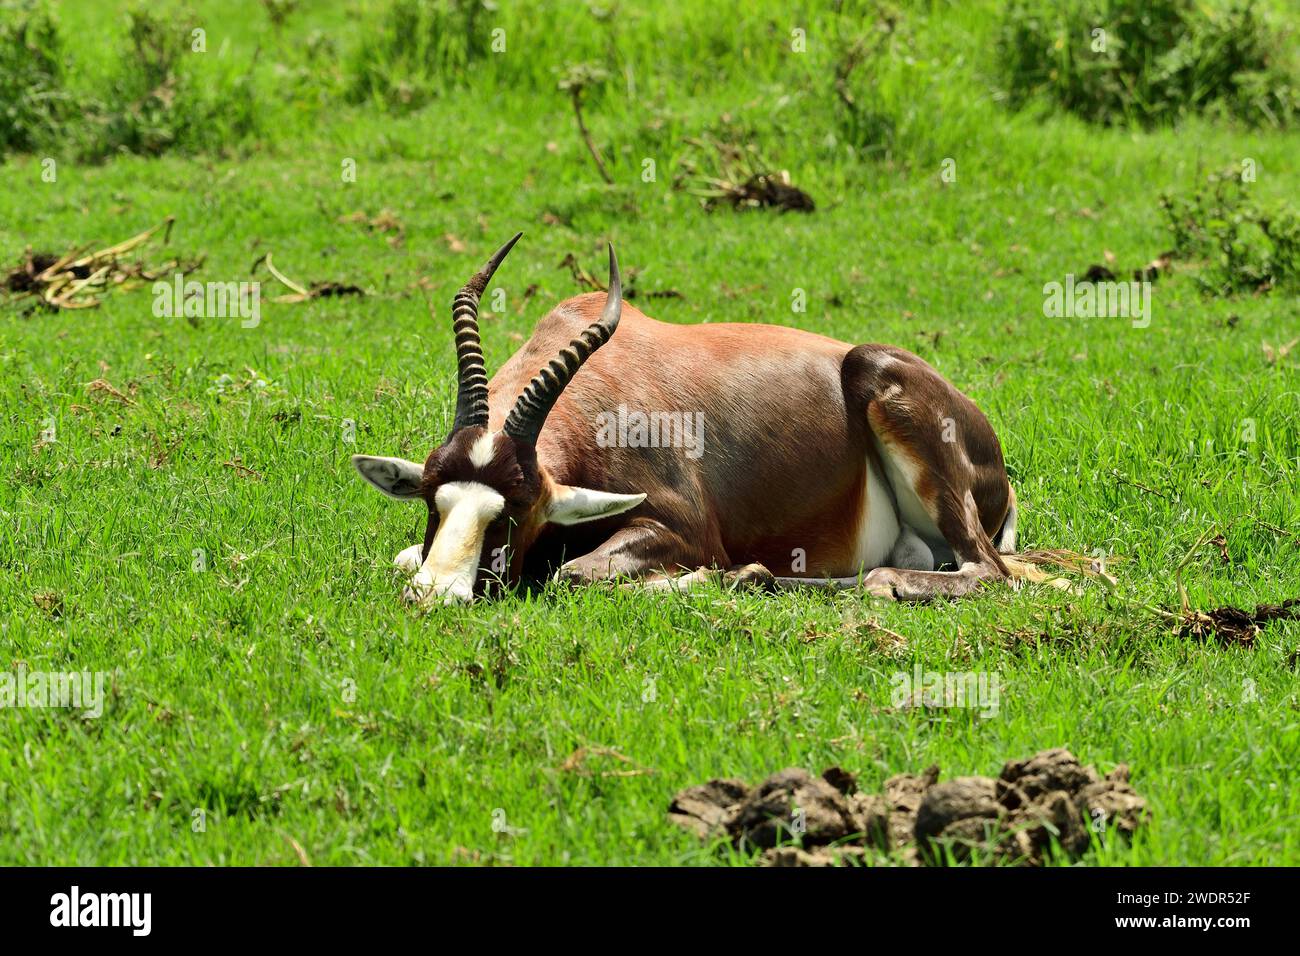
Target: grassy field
[279,705]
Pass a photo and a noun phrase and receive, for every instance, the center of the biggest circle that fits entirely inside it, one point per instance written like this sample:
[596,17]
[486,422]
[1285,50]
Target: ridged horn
[471,377]
[528,416]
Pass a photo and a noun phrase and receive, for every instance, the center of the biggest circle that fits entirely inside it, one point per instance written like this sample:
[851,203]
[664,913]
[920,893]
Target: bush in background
[32,100]
[421,48]
[153,100]
[1157,60]
[1239,244]
[156,103]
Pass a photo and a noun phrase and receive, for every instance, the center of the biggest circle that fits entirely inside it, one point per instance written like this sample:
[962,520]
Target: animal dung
[78,279]
[1234,627]
[297,293]
[720,171]
[1148,273]
[797,819]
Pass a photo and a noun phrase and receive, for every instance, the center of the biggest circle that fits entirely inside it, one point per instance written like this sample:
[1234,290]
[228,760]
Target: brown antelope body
[826,463]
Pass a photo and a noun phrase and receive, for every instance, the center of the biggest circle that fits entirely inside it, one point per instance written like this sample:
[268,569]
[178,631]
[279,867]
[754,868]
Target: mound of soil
[801,820]
[1235,627]
[772,192]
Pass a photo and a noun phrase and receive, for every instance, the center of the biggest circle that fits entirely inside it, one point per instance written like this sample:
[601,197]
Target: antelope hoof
[750,577]
[409,559]
[881,583]
[426,596]
[569,575]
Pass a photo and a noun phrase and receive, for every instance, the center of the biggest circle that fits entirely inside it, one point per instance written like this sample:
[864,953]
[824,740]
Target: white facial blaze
[465,509]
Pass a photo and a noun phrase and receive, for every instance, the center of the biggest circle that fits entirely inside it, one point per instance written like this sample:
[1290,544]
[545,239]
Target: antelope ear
[395,477]
[570,505]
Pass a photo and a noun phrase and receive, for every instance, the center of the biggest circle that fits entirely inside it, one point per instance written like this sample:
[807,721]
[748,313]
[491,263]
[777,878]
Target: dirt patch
[1150,272]
[1034,806]
[51,602]
[770,191]
[78,279]
[1232,626]
[384,223]
[325,289]
[726,169]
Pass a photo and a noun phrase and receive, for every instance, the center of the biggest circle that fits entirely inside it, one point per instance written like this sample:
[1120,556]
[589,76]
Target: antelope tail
[1029,565]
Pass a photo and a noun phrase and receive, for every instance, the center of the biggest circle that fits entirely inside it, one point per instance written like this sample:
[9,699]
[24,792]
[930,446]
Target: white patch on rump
[1006,543]
[904,474]
[878,527]
[465,509]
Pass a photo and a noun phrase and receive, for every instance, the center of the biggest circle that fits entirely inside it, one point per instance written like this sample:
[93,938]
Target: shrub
[1240,245]
[863,118]
[422,48]
[156,103]
[32,101]
[1155,60]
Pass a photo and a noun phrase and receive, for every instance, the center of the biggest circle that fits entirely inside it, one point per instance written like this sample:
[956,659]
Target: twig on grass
[1137,484]
[238,465]
[576,763]
[1295,538]
[284,280]
[299,852]
[102,385]
[318,290]
[579,77]
[1178,571]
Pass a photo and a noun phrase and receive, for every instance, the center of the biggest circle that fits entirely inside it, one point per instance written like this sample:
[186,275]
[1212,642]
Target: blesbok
[848,466]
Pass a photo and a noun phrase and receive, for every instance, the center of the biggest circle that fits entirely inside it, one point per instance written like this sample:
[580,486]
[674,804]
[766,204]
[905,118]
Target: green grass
[231,687]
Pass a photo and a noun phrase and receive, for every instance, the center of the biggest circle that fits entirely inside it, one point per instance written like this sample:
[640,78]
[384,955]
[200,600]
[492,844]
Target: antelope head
[488,496]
